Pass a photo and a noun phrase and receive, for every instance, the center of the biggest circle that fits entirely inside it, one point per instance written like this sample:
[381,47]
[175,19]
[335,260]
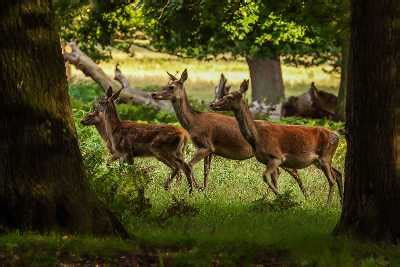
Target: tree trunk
[129,95]
[340,113]
[372,187]
[43,184]
[266,80]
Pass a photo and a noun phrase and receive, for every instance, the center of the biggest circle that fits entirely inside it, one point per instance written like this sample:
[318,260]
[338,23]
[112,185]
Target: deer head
[229,100]
[174,90]
[106,103]
[93,117]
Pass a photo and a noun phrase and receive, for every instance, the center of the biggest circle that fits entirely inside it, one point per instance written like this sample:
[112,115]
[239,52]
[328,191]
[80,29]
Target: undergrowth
[236,220]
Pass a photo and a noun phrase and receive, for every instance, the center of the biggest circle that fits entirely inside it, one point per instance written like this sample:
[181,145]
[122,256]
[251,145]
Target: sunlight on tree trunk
[266,80]
[340,113]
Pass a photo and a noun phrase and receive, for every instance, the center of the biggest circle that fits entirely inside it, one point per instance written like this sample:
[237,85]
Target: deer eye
[170,87]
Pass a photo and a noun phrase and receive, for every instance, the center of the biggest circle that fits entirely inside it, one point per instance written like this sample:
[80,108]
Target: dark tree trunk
[42,181]
[340,113]
[372,187]
[266,80]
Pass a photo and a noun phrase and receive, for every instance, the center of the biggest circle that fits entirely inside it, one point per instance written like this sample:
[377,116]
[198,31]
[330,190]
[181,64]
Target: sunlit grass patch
[147,70]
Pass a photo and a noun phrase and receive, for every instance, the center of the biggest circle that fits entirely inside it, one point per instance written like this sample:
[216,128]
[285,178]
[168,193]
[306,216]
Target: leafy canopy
[97,25]
[293,29]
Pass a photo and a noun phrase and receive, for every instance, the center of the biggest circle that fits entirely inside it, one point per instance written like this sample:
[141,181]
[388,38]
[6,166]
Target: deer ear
[221,89]
[244,86]
[109,92]
[312,86]
[226,89]
[116,95]
[184,76]
[172,77]
[313,90]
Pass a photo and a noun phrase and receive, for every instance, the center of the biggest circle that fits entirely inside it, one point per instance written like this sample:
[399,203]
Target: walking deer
[94,118]
[210,132]
[129,139]
[287,146]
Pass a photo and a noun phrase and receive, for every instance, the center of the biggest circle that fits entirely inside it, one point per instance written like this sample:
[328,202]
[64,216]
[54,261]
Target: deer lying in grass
[128,139]
[211,133]
[312,104]
[287,146]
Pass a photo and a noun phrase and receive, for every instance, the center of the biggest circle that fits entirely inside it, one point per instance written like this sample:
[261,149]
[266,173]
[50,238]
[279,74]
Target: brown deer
[129,139]
[314,103]
[287,146]
[210,132]
[94,118]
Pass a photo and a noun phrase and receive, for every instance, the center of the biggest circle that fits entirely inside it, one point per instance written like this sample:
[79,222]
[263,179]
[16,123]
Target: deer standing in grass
[94,118]
[289,146]
[210,132]
[129,139]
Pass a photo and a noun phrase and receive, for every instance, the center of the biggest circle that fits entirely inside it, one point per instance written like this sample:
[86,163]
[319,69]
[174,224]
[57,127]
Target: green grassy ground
[235,221]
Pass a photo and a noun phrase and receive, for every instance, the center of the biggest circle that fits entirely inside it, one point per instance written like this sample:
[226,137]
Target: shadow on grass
[214,236]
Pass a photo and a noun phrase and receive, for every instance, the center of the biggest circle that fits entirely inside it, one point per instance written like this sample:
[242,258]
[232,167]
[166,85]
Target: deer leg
[270,170]
[180,164]
[207,166]
[172,165]
[327,169]
[275,177]
[339,182]
[200,154]
[188,172]
[169,180]
[294,173]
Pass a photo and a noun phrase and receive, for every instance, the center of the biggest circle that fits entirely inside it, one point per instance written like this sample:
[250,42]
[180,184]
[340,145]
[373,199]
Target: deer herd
[290,147]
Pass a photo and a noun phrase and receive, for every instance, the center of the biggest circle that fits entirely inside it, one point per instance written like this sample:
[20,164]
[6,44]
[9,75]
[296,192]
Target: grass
[235,221]
[33,249]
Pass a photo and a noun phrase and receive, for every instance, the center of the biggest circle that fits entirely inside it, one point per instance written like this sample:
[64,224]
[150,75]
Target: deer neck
[246,124]
[184,111]
[112,123]
[101,129]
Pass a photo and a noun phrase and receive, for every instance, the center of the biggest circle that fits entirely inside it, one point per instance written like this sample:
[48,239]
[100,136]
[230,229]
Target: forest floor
[235,221]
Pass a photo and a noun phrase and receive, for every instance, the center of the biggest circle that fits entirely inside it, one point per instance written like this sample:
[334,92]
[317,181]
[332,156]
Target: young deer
[287,146]
[94,118]
[211,133]
[130,139]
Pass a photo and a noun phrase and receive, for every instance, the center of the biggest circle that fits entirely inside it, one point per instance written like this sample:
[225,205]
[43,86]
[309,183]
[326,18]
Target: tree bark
[372,171]
[43,184]
[129,95]
[340,113]
[266,80]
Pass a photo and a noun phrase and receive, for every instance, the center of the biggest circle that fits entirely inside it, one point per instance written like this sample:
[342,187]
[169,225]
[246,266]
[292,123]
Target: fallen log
[90,69]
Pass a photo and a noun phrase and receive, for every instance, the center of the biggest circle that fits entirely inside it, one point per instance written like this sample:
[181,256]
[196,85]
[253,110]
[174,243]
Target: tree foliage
[295,30]
[97,25]
[308,32]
